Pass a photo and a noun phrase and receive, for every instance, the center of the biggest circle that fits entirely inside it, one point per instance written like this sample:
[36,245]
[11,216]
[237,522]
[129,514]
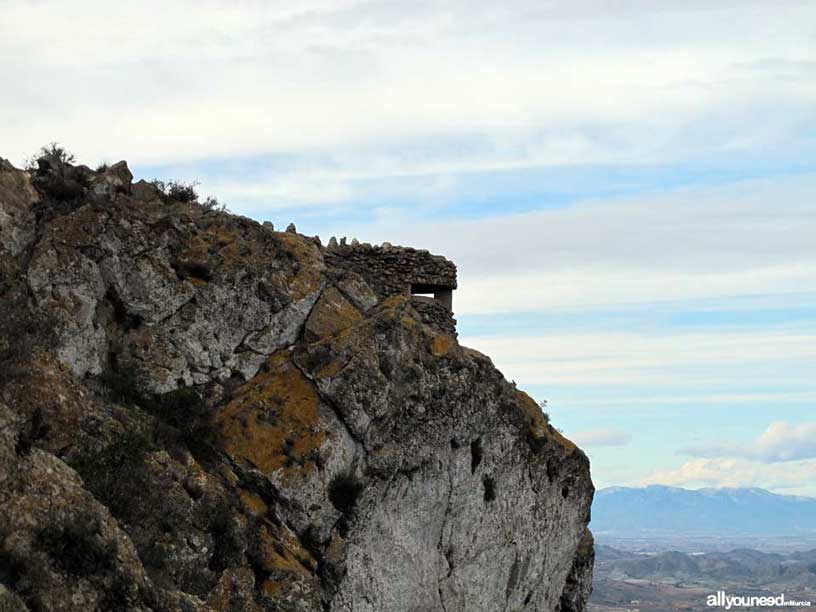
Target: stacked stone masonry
[393,270]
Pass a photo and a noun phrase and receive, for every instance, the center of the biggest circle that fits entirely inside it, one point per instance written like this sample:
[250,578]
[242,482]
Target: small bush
[187,193]
[344,491]
[53,150]
[178,191]
[212,204]
[544,404]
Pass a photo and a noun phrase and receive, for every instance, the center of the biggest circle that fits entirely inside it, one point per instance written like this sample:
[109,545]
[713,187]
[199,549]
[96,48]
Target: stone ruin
[394,270]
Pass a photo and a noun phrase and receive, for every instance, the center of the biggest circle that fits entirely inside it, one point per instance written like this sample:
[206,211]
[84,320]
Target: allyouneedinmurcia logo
[723,600]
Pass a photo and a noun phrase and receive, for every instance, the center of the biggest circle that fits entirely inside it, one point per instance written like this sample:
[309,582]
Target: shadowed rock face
[222,419]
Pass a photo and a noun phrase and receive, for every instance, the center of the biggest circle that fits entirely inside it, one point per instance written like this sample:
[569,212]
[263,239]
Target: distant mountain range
[666,511]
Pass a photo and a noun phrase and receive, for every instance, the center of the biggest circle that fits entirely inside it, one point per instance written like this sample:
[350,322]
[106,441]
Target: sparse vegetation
[187,193]
[178,191]
[53,150]
[544,404]
[212,204]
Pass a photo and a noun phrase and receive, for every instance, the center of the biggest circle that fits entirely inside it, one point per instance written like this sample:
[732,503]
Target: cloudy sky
[627,187]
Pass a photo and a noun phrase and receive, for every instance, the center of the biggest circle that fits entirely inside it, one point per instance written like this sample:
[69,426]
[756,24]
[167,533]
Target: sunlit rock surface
[200,413]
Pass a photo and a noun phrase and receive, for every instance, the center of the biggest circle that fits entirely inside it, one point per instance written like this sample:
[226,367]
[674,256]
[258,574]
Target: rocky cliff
[198,412]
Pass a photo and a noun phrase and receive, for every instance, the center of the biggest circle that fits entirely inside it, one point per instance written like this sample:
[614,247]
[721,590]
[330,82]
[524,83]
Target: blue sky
[627,188]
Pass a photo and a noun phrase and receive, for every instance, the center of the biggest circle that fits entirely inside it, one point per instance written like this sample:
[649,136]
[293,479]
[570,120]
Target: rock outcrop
[198,412]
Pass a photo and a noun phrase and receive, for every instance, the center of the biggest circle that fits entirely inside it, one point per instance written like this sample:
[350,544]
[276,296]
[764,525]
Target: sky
[627,187]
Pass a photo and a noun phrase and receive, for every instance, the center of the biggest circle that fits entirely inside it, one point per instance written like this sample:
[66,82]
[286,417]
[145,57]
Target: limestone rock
[112,180]
[229,418]
[17,219]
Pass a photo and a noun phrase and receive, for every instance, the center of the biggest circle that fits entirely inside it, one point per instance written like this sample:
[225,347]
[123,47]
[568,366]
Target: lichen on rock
[225,417]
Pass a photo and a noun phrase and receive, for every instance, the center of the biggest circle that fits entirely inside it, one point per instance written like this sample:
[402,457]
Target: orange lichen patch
[222,235]
[441,345]
[252,503]
[330,370]
[195,251]
[408,322]
[273,420]
[271,588]
[310,264]
[532,411]
[331,314]
[280,553]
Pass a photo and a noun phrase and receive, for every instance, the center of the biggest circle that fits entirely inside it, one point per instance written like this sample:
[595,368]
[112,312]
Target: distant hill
[672,580]
[736,565]
[663,511]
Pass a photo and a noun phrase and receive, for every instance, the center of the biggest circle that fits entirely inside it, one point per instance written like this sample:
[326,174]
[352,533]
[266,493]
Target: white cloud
[749,237]
[722,472]
[780,442]
[627,359]
[541,82]
[601,437]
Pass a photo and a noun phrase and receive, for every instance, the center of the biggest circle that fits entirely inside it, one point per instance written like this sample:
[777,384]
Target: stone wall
[393,270]
[435,314]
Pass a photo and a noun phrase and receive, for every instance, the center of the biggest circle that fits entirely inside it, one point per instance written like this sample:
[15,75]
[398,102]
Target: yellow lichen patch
[441,345]
[277,554]
[532,411]
[271,588]
[330,370]
[395,301]
[310,264]
[252,503]
[222,235]
[332,314]
[195,251]
[273,421]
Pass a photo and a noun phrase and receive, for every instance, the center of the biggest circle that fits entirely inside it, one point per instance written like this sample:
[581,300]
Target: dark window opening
[441,294]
